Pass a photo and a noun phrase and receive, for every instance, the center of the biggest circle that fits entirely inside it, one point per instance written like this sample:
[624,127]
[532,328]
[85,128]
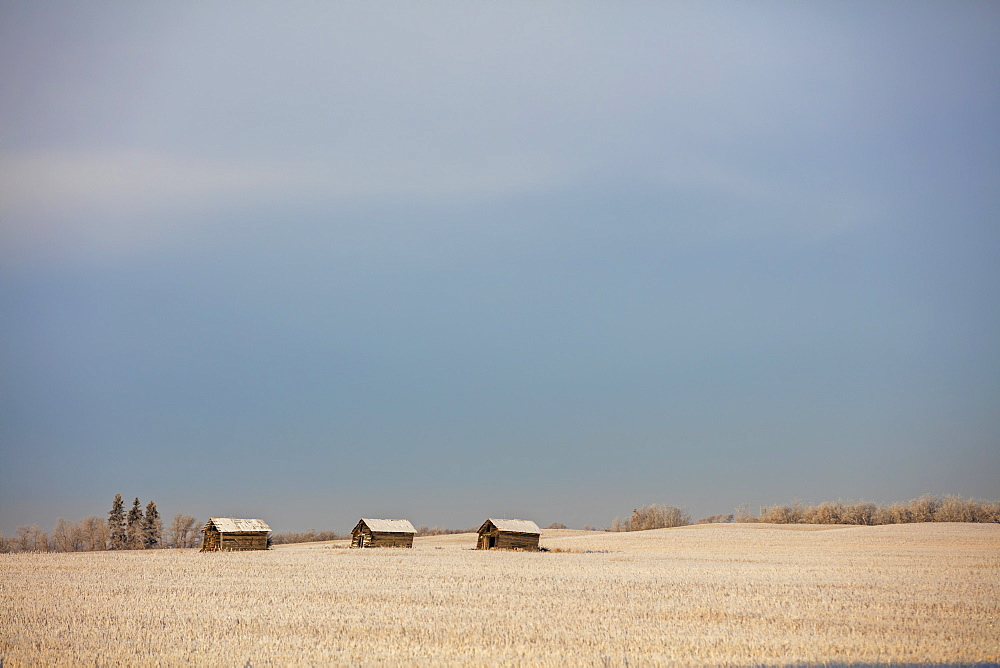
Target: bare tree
[194,536]
[743,514]
[183,531]
[175,534]
[657,517]
[927,508]
[79,537]
[652,517]
[923,509]
[68,536]
[95,532]
[174,531]
[424,530]
[61,536]
[828,512]
[311,536]
[31,539]
[897,513]
[862,512]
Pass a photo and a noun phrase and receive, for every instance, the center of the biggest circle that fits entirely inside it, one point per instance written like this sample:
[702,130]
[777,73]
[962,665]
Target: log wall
[366,538]
[234,542]
[517,541]
[210,543]
[507,540]
[391,539]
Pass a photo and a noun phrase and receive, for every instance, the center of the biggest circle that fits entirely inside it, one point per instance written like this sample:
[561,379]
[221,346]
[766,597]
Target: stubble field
[711,594]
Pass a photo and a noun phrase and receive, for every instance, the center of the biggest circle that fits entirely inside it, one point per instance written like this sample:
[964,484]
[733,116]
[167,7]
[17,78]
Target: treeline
[315,536]
[139,530]
[652,517]
[927,508]
[438,531]
[134,530]
[302,537]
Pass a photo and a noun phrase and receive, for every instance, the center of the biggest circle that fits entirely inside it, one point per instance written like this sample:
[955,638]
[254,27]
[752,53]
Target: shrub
[310,536]
[923,509]
[652,517]
[744,515]
[927,508]
[438,531]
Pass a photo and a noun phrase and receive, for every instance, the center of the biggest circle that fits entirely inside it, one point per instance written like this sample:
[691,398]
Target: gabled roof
[231,524]
[517,526]
[389,526]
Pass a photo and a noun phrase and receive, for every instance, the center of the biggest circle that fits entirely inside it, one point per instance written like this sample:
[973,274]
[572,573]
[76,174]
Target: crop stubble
[720,594]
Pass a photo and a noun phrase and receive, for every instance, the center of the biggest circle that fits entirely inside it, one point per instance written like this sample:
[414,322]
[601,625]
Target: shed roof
[231,524]
[517,526]
[389,526]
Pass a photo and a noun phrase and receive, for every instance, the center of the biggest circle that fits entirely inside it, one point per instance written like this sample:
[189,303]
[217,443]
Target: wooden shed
[508,535]
[382,533]
[230,534]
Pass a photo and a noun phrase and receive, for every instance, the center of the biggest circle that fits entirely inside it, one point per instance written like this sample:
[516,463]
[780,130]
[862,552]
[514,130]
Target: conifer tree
[152,527]
[116,524]
[133,526]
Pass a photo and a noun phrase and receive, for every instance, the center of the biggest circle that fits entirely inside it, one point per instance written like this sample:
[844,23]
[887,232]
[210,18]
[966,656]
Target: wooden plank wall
[234,542]
[381,539]
[391,539]
[244,541]
[517,541]
[210,542]
[508,540]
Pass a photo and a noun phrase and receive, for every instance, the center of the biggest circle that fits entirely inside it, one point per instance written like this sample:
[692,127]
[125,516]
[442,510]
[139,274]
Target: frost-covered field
[718,594]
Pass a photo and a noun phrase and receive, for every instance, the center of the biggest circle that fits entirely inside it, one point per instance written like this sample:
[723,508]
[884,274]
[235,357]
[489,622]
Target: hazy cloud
[697,246]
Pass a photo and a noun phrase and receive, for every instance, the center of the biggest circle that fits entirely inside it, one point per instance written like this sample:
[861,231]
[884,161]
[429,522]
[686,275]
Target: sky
[316,261]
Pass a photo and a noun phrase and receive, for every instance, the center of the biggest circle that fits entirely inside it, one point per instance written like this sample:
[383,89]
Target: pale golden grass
[706,594]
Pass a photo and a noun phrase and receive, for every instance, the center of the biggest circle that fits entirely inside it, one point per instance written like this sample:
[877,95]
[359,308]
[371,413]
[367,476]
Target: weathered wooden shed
[508,535]
[382,533]
[230,534]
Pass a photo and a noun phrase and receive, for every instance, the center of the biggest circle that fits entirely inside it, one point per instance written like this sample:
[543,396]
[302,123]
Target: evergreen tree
[116,524]
[133,527]
[152,527]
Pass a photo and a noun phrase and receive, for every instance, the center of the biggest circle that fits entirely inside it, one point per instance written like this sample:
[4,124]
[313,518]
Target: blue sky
[447,261]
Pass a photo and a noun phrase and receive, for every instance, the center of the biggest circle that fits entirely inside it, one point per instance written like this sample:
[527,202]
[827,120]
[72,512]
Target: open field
[720,594]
